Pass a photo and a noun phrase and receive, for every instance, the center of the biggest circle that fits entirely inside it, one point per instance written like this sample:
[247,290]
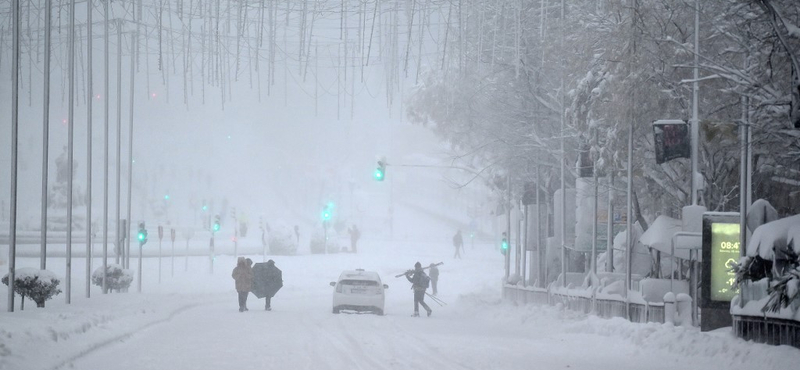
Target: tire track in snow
[121,337]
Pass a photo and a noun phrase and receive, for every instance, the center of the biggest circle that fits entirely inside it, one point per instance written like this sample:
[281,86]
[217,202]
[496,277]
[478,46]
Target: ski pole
[435,299]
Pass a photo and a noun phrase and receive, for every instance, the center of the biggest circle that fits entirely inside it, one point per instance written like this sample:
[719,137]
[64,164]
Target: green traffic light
[166,197]
[378,175]
[141,236]
[205,208]
[216,226]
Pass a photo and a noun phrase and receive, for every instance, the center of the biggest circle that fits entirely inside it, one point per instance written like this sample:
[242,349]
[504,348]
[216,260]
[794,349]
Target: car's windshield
[359,282]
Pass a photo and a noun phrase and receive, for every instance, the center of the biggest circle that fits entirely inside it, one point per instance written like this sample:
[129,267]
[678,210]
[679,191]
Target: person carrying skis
[434,274]
[243,276]
[419,283]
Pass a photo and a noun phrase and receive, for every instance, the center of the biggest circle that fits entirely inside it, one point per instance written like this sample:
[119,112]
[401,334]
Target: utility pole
[89,98]
[46,130]
[120,246]
[695,91]
[134,40]
[563,156]
[105,149]
[70,150]
[12,234]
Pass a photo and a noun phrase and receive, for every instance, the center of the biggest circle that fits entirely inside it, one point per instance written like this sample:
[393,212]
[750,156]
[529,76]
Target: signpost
[671,139]
[720,251]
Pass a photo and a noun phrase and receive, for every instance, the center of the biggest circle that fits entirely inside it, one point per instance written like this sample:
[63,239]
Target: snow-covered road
[191,322]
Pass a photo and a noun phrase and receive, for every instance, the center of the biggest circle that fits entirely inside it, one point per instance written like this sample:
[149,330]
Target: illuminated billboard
[720,251]
[724,253]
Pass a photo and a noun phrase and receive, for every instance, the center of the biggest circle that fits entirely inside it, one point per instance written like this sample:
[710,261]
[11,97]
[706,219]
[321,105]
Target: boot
[416,314]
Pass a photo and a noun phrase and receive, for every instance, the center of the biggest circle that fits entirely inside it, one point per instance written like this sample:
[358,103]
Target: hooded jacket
[243,275]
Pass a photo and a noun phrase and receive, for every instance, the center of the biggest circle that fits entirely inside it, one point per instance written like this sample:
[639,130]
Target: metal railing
[767,330]
[601,307]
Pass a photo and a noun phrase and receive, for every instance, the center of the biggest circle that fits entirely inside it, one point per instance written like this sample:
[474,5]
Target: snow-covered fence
[767,330]
[587,301]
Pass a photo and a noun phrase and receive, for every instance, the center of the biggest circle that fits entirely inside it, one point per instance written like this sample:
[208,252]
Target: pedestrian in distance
[243,276]
[355,234]
[458,243]
[434,275]
[419,283]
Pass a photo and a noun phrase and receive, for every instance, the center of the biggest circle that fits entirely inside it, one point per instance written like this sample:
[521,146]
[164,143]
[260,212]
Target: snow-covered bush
[38,285]
[773,252]
[282,241]
[117,278]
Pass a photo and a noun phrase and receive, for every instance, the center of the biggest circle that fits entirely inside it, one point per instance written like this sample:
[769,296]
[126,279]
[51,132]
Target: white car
[359,290]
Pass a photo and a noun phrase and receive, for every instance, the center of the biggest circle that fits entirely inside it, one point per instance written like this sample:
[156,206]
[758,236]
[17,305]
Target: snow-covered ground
[191,321]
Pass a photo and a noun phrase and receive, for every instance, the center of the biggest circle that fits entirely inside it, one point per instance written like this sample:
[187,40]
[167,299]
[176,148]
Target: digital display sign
[724,253]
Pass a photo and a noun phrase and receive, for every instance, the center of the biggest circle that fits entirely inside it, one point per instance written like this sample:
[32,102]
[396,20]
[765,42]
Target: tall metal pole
[563,159]
[629,222]
[744,171]
[46,130]
[610,225]
[12,234]
[71,149]
[134,42]
[695,90]
[508,226]
[119,243]
[539,245]
[105,147]
[525,241]
[594,220]
[518,249]
[89,98]
[139,272]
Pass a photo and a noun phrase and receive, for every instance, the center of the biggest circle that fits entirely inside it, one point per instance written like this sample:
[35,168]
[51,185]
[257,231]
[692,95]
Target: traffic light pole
[211,256]
[139,274]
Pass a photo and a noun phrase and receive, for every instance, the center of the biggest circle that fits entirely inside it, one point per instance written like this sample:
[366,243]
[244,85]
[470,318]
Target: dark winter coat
[243,275]
[415,278]
[273,278]
[458,240]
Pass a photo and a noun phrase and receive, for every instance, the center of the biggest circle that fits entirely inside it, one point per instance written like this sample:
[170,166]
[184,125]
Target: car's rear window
[359,282]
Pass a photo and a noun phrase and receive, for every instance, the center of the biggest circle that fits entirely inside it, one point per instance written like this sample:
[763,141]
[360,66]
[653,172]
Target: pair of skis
[423,269]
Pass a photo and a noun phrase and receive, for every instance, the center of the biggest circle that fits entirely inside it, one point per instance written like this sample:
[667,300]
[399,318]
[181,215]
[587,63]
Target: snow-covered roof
[659,237]
[779,235]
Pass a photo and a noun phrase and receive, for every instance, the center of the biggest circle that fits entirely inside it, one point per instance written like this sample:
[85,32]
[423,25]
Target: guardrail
[587,303]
